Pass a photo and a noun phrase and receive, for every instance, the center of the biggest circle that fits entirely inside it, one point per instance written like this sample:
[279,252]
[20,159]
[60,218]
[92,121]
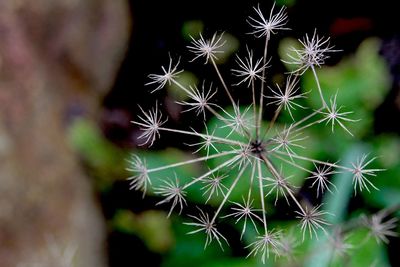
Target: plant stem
[324,105]
[229,192]
[223,82]
[276,174]
[314,161]
[261,186]
[231,161]
[191,161]
[260,112]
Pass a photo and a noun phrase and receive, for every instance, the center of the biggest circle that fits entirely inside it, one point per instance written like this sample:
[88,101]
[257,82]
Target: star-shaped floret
[204,224]
[150,123]
[249,70]
[207,48]
[172,192]
[169,74]
[265,27]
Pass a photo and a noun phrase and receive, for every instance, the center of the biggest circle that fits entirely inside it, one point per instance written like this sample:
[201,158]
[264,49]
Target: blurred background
[72,77]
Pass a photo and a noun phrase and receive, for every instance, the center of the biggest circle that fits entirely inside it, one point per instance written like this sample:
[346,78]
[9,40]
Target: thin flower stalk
[231,188]
[261,187]
[169,75]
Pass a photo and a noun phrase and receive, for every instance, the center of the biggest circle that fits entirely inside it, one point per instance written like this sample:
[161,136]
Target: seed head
[243,212]
[169,75]
[201,99]
[380,229]
[285,98]
[264,243]
[333,115]
[140,179]
[204,224]
[172,192]
[361,173]
[314,52]
[312,220]
[207,48]
[265,27]
[249,70]
[150,123]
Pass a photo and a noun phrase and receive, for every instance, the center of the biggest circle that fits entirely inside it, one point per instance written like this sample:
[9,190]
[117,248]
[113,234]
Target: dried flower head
[140,179]
[244,211]
[200,99]
[285,98]
[204,224]
[150,123]
[172,193]
[169,75]
[265,27]
[321,178]
[333,115]
[312,220]
[208,48]
[380,229]
[249,70]
[248,151]
[314,52]
[361,173]
[270,241]
[213,185]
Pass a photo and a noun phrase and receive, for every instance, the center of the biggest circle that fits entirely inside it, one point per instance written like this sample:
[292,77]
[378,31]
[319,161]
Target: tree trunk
[57,59]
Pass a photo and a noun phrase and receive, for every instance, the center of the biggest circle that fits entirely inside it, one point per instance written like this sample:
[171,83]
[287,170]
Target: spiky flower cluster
[252,151]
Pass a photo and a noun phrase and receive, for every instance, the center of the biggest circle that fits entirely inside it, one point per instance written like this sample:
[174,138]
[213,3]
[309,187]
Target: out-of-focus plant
[251,164]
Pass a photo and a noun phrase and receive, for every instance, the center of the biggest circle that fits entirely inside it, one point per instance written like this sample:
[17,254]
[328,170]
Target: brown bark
[57,59]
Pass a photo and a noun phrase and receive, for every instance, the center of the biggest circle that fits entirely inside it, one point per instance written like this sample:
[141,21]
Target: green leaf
[366,252]
[192,28]
[186,79]
[153,227]
[105,160]
[231,46]
[284,50]
[387,149]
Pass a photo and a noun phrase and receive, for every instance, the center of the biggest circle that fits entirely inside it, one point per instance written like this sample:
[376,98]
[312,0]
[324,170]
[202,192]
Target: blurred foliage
[387,148]
[231,46]
[287,3]
[186,78]
[367,252]
[153,227]
[189,250]
[192,28]
[106,161]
